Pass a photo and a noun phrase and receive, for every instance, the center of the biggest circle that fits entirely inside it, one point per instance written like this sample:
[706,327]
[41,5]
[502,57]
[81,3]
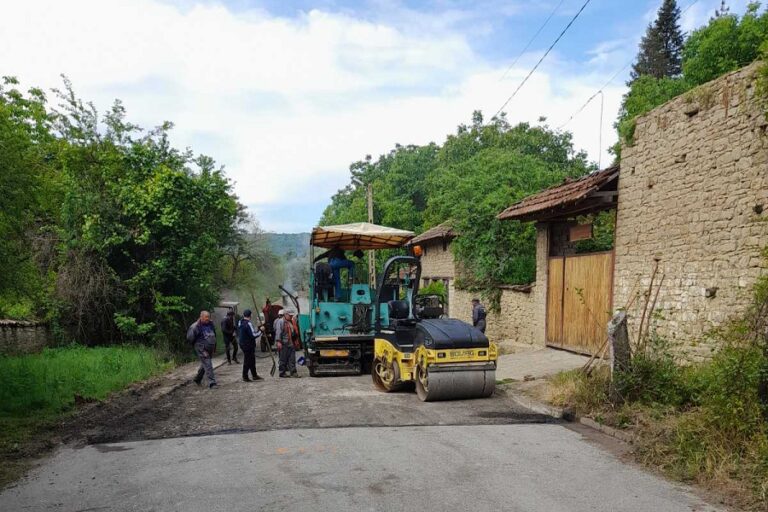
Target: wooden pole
[371,255]
[641,341]
[653,306]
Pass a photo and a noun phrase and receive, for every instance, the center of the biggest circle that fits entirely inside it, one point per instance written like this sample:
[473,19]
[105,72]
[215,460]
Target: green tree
[481,170]
[143,227]
[725,44]
[661,46]
[28,195]
[476,173]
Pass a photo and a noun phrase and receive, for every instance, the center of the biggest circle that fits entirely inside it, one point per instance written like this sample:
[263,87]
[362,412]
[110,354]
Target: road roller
[444,358]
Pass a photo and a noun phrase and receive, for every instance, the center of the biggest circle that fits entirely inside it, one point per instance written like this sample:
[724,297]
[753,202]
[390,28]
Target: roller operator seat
[403,326]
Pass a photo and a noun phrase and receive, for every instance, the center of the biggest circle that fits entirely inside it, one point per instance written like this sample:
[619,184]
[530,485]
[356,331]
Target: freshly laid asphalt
[334,444]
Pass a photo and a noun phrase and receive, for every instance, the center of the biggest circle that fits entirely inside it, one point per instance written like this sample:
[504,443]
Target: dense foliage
[107,230]
[661,46]
[468,180]
[725,44]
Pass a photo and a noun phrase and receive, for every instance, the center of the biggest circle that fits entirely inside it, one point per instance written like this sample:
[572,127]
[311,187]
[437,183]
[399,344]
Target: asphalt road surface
[334,444]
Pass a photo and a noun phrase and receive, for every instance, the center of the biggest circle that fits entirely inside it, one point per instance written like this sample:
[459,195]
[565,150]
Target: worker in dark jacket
[202,335]
[248,336]
[228,330]
[478,315]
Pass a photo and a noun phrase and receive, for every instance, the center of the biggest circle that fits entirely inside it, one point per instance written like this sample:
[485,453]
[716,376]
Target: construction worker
[269,320]
[202,334]
[248,336]
[286,345]
[478,315]
[277,325]
[228,330]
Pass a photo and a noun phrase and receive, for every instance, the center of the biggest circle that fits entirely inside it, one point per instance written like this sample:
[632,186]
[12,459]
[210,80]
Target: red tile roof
[570,192]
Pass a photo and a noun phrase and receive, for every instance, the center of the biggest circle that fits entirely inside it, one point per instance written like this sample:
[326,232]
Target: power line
[599,91]
[542,58]
[530,41]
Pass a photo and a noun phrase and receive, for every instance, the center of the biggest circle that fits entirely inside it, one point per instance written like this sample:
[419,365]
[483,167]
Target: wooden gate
[579,301]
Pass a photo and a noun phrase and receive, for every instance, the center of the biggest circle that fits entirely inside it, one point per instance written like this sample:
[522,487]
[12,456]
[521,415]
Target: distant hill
[285,244]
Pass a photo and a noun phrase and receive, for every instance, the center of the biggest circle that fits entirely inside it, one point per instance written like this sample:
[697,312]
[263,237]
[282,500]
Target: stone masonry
[693,194]
[521,316]
[17,337]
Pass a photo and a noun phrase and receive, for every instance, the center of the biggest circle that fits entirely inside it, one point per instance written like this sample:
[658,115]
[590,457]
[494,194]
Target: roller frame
[460,378]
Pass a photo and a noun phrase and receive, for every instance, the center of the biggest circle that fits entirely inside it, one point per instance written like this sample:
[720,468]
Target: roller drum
[455,385]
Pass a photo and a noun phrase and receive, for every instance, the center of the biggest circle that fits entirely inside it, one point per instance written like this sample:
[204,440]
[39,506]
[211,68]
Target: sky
[286,95]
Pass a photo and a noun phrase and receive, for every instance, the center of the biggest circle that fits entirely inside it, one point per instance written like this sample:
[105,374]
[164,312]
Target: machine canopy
[361,235]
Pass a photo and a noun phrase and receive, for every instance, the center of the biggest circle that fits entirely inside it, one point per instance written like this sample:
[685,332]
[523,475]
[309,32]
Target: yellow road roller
[445,358]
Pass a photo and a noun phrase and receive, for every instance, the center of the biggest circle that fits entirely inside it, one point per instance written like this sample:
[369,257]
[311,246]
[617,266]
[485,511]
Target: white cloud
[281,100]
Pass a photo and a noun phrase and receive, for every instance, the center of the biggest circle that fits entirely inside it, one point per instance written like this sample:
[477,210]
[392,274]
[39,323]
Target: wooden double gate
[579,301]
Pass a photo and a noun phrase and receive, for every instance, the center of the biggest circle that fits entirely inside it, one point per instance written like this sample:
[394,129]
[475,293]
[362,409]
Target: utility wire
[530,41]
[599,91]
[542,58]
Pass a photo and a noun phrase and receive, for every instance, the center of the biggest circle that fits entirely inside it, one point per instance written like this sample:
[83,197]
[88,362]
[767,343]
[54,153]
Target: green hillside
[288,244]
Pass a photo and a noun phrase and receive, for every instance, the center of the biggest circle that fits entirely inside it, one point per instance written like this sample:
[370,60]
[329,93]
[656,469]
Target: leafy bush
[435,288]
[656,378]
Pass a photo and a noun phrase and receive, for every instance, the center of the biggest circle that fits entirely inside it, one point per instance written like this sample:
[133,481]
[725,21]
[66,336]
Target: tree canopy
[109,231]
[727,43]
[476,173]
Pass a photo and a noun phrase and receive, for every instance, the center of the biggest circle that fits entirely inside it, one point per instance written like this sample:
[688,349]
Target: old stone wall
[693,194]
[22,337]
[521,315]
[437,261]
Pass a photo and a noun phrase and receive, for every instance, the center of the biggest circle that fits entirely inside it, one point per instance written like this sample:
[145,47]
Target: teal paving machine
[340,335]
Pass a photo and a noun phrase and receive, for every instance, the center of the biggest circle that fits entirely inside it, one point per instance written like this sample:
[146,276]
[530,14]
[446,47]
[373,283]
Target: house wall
[693,194]
[437,261]
[521,316]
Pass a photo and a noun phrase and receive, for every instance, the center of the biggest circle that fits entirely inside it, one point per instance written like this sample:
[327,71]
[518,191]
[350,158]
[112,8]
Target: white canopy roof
[360,235]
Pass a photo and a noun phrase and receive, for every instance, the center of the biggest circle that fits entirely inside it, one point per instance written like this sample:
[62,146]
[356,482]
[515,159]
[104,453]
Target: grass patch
[52,381]
[40,389]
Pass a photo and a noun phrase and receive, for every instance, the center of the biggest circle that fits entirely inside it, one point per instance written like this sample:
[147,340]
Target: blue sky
[286,94]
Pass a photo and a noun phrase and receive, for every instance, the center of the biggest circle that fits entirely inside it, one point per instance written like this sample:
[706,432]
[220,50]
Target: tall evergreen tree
[724,10]
[660,52]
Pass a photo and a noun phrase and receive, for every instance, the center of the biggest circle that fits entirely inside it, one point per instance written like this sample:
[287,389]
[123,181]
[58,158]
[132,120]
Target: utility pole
[371,256]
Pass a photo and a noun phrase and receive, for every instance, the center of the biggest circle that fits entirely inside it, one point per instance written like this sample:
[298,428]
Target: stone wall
[437,261]
[693,194]
[22,337]
[521,316]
